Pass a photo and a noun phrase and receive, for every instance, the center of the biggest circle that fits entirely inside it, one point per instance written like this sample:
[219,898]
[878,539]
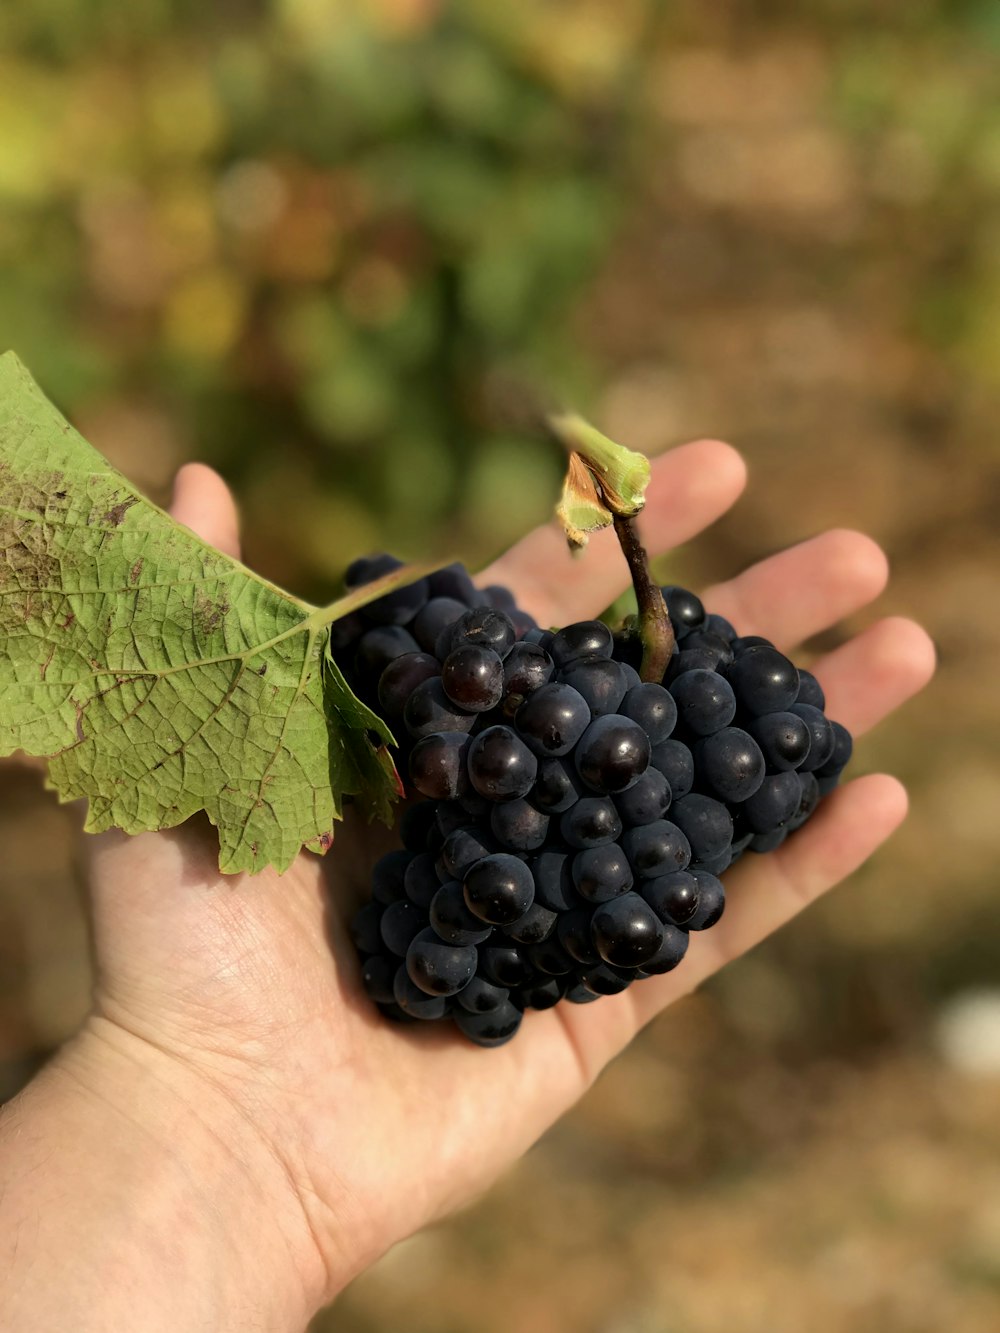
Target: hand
[240,999]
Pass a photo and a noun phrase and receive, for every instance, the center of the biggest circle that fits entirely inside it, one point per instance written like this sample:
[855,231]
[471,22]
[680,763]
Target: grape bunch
[575,820]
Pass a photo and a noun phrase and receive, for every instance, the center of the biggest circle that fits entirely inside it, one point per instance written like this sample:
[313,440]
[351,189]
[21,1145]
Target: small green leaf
[603,479]
[160,676]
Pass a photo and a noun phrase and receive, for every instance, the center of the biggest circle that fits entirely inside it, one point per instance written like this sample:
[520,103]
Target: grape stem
[655,629]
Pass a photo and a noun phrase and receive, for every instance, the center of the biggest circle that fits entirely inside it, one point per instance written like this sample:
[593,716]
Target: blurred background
[341,249]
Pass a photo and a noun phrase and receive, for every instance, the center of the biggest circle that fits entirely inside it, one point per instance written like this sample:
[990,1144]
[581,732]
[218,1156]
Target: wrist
[156,1191]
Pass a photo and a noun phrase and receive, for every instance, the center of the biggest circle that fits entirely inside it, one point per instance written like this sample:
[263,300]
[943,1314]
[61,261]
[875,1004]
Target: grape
[463,847]
[542,995]
[451,918]
[626,931]
[453,581]
[557,786]
[482,626]
[368,568]
[612,754]
[684,609]
[768,842]
[553,719]
[705,701]
[717,647]
[821,736]
[705,822]
[437,764]
[573,933]
[730,761]
[711,901]
[387,877]
[656,849]
[492,1028]
[413,1001]
[526,668]
[365,928]
[504,964]
[481,996]
[668,955]
[673,897]
[501,767]
[808,800]
[378,647]
[399,606]
[579,994]
[418,819]
[675,762]
[421,880]
[653,708]
[554,887]
[774,802]
[646,801]
[377,976]
[810,691]
[605,979]
[720,625]
[601,873]
[588,638]
[472,677]
[401,677]
[763,680]
[518,826]
[429,710]
[449,816]
[691,659]
[437,615]
[590,822]
[401,921]
[600,680]
[534,927]
[784,739]
[499,888]
[550,957]
[437,967]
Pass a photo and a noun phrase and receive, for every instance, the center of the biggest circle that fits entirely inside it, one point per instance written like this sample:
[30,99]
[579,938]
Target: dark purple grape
[731,763]
[438,764]
[626,931]
[684,609]
[808,801]
[483,627]
[612,754]
[526,668]
[600,680]
[448,816]
[421,880]
[518,826]
[646,801]
[601,873]
[676,763]
[653,708]
[550,957]
[387,877]
[437,615]
[768,842]
[399,606]
[705,701]
[674,897]
[472,677]
[783,737]
[579,994]
[763,680]
[413,1001]
[719,625]
[605,979]
[705,822]
[429,710]
[668,955]
[453,581]
[773,804]
[590,822]
[810,691]
[573,933]
[656,849]
[481,996]
[542,995]
[489,1029]
[843,746]
[505,964]
[553,719]
[463,847]
[587,638]
[552,873]
[501,767]
[714,865]
[821,736]
[557,786]
[499,597]
[452,920]
[401,677]
[534,927]
[377,976]
[368,568]
[438,967]
[366,928]
[401,921]
[380,646]
[711,901]
[418,819]
[499,888]
[717,647]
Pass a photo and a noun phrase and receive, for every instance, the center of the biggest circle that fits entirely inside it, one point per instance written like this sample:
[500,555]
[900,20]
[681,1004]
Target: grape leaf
[160,676]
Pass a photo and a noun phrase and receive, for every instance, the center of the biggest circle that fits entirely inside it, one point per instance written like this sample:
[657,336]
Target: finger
[204,503]
[765,892]
[805,589]
[875,672]
[691,487]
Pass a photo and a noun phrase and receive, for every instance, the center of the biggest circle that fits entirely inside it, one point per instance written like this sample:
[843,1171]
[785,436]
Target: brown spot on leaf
[116,514]
[68,621]
[79,723]
[45,664]
[209,612]
[325,841]
[262,670]
[135,571]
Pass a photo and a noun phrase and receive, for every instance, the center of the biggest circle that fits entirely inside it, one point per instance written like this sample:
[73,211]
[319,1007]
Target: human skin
[235,1133]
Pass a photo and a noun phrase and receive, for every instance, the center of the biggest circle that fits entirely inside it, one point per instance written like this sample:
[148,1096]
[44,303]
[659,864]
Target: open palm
[249,986]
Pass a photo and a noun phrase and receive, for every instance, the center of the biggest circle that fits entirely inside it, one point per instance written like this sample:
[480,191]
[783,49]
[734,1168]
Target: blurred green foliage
[331,247]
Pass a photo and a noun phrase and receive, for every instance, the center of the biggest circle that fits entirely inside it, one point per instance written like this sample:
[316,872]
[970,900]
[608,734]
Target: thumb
[204,503]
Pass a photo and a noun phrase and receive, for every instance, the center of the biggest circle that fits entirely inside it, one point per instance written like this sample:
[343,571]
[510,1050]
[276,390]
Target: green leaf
[160,676]
[603,479]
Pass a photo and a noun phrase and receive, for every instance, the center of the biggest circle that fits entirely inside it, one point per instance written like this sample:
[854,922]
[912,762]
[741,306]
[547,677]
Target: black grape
[501,767]
[482,626]
[706,823]
[600,680]
[366,928]
[673,897]
[711,901]
[553,719]
[705,701]
[526,668]
[612,754]
[774,803]
[626,931]
[413,1001]
[668,955]
[646,801]
[557,786]
[552,872]
[731,762]
[810,691]
[378,647]
[587,638]
[421,880]
[675,762]
[534,927]
[784,739]
[401,677]
[504,964]
[591,821]
[438,764]
[656,849]
[438,967]
[601,873]
[377,976]
[463,847]
[684,608]
[401,921]
[490,1029]
[763,680]
[452,920]
[499,888]
[429,710]
[653,708]
[472,677]
[481,996]
[821,736]
[518,826]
